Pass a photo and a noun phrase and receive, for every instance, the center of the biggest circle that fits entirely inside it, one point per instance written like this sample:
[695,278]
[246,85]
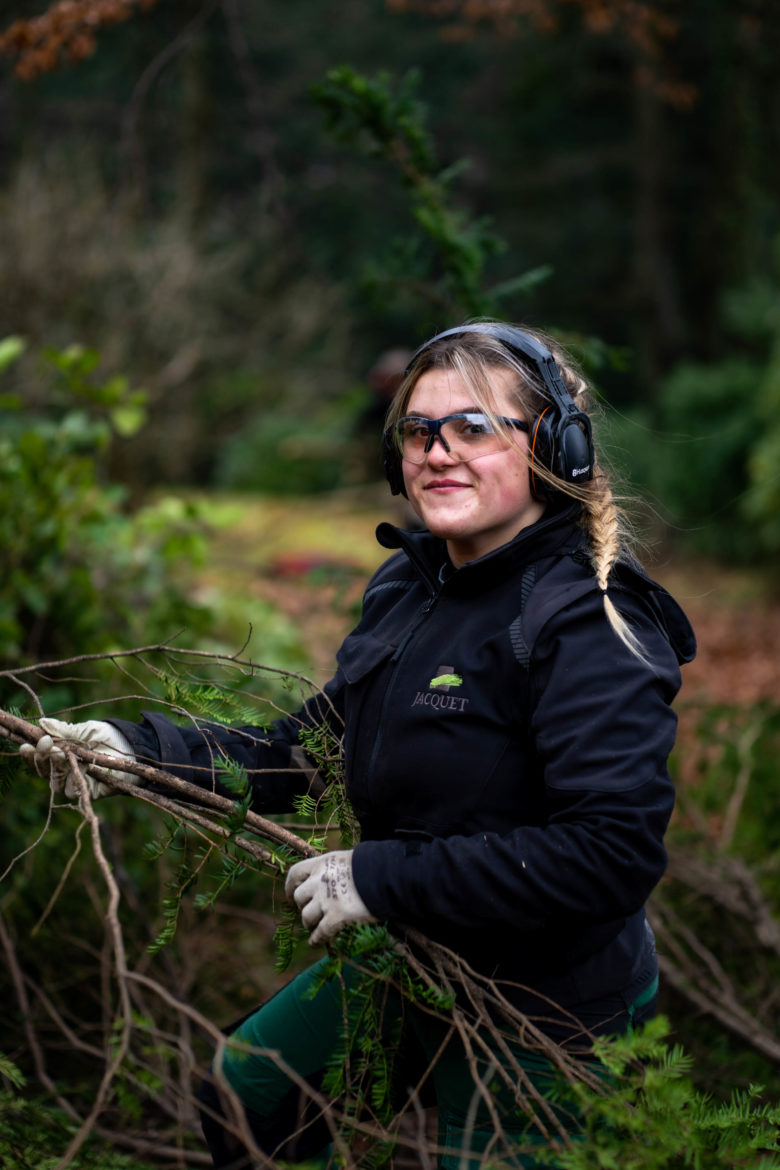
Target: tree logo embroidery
[445,678]
[436,696]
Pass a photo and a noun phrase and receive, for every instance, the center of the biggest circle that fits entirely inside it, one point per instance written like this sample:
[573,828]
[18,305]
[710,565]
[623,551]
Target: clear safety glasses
[464,436]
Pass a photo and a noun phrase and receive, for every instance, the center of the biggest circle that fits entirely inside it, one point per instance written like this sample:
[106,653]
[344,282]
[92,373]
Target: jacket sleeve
[601,728]
[277,767]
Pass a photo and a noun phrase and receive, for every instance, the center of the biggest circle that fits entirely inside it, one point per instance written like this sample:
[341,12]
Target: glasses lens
[465,436]
[413,435]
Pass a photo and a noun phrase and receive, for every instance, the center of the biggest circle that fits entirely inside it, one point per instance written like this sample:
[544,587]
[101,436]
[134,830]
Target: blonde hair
[471,355]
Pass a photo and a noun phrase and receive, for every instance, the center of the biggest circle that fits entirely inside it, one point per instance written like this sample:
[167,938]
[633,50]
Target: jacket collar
[556,532]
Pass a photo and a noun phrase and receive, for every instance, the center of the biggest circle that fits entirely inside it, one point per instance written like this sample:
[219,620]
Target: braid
[601,520]
[602,524]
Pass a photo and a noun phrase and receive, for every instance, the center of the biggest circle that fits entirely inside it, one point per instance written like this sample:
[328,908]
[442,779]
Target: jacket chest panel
[439,704]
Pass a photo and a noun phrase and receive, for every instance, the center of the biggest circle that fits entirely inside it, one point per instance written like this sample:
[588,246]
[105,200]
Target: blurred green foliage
[78,571]
[444,258]
[739,766]
[180,202]
[708,422]
[283,454]
[441,259]
[708,448]
[34,1135]
[723,890]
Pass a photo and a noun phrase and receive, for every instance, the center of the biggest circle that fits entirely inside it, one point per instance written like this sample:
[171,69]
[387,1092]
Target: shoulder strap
[538,605]
[521,649]
[570,577]
[383,586]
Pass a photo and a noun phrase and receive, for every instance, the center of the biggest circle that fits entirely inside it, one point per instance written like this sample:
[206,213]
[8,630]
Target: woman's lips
[442,485]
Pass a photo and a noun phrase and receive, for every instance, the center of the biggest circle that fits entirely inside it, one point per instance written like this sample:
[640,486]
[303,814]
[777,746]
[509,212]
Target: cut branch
[23,732]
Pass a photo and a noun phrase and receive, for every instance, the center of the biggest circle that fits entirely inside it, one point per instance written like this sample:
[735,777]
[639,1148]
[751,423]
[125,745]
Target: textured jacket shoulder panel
[547,590]
[390,582]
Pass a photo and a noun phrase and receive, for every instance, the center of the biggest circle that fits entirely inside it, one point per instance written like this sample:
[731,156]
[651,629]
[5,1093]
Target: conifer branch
[21,731]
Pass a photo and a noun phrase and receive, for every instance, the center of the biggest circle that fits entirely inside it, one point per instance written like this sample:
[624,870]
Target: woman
[506,704]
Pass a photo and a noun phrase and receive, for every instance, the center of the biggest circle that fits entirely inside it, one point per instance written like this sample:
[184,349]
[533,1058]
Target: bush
[77,570]
[285,454]
[710,419]
[708,448]
[658,1119]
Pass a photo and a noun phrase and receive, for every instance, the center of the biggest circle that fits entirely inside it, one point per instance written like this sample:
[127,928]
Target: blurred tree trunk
[658,301]
[195,127]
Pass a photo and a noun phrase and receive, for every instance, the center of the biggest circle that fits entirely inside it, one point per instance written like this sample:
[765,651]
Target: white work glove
[49,760]
[324,890]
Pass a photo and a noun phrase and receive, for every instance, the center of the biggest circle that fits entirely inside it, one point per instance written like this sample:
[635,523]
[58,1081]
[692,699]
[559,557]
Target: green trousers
[299,1030]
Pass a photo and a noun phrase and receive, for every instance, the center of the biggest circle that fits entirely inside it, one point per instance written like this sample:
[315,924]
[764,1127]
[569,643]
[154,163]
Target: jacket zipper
[423,613]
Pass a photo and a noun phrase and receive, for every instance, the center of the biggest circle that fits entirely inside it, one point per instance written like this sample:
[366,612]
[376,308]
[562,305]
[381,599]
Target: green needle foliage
[215,702]
[654,1118]
[179,885]
[323,747]
[445,260]
[33,1135]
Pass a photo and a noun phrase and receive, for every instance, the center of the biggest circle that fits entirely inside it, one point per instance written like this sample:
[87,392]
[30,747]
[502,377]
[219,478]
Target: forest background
[217,219]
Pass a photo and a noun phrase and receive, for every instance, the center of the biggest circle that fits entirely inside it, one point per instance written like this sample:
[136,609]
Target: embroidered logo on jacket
[438,696]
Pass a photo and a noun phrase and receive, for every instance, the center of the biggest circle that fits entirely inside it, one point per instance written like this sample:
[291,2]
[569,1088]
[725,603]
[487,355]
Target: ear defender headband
[560,438]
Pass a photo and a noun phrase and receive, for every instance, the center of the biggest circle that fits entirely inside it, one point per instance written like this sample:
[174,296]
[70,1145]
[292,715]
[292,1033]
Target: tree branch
[23,732]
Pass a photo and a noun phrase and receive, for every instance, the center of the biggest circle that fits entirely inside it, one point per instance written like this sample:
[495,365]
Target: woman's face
[480,505]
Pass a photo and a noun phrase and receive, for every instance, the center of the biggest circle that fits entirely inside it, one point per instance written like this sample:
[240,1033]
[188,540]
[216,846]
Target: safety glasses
[464,436]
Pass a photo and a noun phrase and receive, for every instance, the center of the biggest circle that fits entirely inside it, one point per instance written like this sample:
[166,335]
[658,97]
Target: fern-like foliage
[445,253]
[172,838]
[11,1073]
[216,704]
[231,869]
[323,747]
[286,935]
[211,701]
[235,779]
[182,881]
[361,1070]
[651,1117]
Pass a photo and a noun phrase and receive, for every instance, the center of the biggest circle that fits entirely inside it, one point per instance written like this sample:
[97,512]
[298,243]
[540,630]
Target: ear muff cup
[573,457]
[391,459]
[539,452]
[563,446]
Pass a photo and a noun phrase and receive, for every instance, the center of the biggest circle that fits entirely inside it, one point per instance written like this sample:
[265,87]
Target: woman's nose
[439,452]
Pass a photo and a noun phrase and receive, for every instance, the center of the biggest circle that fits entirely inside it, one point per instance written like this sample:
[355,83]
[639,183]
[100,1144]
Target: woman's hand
[324,890]
[49,760]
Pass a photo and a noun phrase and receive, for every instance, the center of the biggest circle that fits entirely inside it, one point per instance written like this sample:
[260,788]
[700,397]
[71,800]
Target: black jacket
[506,755]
